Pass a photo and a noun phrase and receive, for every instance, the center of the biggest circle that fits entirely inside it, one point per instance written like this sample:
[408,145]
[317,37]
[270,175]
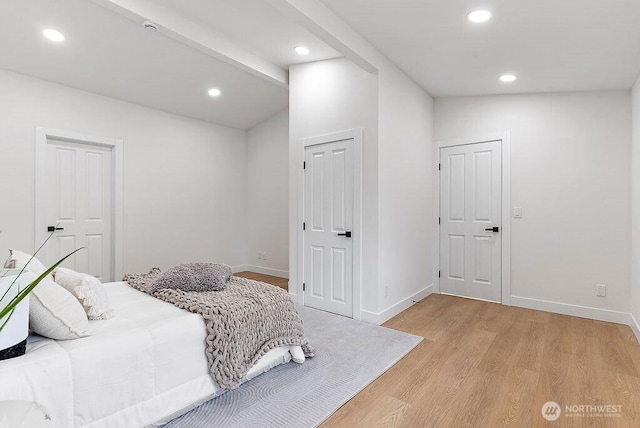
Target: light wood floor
[487,365]
[275,280]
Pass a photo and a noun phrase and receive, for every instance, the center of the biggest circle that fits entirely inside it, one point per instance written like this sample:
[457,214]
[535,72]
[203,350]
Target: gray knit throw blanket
[244,321]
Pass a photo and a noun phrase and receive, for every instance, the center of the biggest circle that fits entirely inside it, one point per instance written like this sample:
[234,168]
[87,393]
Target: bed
[143,367]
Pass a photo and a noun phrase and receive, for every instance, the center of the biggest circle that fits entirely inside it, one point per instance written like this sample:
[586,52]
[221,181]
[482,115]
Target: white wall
[184,180]
[326,97]
[395,113]
[635,209]
[268,195]
[398,219]
[571,174]
[406,175]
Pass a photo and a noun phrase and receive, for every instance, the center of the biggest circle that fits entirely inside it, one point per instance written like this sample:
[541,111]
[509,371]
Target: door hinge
[304,165]
[439,166]
[439,220]
[304,286]
[304,226]
[438,274]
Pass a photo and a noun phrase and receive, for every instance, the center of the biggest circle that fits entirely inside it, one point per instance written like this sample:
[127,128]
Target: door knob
[53,228]
[346,234]
[493,229]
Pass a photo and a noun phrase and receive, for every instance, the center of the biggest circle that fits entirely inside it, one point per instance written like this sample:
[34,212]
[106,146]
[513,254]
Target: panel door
[328,214]
[471,220]
[78,201]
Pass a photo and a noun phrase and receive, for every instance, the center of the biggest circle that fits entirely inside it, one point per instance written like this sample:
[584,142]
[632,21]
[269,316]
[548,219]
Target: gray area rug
[349,356]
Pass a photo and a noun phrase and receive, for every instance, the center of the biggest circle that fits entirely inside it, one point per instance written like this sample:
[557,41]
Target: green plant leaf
[7,320]
[22,294]
[25,266]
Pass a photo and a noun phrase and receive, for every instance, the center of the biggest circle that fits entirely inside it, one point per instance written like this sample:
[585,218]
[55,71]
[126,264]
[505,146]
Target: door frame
[356,136]
[505,138]
[116,145]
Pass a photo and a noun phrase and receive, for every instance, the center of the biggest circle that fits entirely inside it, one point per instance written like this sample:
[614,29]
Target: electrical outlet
[386,290]
[601,290]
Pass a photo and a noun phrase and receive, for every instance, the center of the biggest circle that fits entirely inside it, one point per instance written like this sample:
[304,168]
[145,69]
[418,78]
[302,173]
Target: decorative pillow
[88,290]
[194,277]
[55,313]
[210,275]
[19,260]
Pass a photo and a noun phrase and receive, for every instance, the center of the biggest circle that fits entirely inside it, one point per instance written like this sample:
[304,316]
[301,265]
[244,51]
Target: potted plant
[14,307]
[15,325]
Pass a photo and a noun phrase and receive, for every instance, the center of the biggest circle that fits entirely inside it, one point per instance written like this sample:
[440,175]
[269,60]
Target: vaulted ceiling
[245,47]
[107,51]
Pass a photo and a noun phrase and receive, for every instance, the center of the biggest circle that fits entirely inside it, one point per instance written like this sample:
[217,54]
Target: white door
[471,220]
[76,198]
[328,222]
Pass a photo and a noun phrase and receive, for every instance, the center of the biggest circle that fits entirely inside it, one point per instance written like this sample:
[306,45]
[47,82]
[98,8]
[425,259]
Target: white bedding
[145,365]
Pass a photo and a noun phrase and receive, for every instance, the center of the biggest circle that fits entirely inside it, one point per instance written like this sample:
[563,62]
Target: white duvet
[146,365]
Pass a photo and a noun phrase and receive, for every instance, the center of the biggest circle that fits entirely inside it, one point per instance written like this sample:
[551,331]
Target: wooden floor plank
[529,351]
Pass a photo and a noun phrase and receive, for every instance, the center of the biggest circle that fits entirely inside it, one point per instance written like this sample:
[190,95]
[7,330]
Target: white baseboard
[260,269]
[393,310]
[574,310]
[268,271]
[239,268]
[633,323]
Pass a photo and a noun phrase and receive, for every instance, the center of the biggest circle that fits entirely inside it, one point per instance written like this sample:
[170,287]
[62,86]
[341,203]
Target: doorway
[331,226]
[474,225]
[78,200]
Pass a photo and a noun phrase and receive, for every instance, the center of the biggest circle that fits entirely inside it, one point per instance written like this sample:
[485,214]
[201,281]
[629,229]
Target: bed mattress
[146,365]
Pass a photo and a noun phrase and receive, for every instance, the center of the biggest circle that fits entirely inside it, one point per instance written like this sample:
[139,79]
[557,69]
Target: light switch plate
[517,212]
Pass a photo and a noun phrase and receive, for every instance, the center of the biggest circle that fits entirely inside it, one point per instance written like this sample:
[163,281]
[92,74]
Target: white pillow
[55,313]
[88,290]
[19,260]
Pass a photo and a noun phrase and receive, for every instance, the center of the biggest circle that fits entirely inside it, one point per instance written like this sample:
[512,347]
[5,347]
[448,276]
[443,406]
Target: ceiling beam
[328,27]
[200,37]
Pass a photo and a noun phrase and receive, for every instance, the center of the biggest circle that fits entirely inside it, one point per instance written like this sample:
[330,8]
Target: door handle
[346,234]
[53,228]
[493,229]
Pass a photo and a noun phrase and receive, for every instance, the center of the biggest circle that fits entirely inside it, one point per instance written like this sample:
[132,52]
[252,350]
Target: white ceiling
[257,25]
[552,45]
[107,53]
[244,47]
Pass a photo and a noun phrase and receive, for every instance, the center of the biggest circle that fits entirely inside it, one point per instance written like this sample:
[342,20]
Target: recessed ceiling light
[508,78]
[214,92]
[302,50]
[479,15]
[53,35]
